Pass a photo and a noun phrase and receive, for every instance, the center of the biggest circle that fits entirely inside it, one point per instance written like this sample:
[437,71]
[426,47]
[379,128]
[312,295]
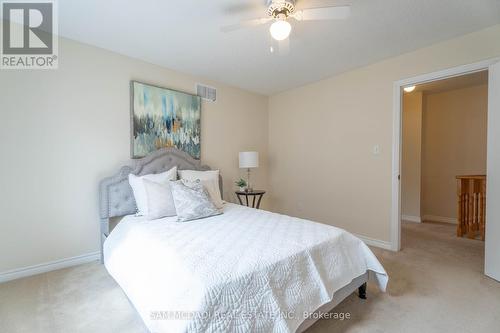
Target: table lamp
[249,160]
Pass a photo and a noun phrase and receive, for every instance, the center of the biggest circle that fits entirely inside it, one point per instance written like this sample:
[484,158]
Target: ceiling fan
[280,11]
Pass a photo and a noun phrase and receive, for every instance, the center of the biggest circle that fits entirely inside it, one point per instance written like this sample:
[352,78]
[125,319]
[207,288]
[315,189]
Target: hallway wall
[411,156]
[454,142]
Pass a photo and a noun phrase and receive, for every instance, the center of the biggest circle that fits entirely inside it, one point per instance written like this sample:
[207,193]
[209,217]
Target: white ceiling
[185,35]
[454,83]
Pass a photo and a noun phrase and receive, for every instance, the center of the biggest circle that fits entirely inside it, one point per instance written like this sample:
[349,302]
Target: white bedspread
[246,270]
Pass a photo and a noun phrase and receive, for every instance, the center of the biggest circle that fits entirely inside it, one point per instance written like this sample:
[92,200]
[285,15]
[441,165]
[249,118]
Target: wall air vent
[206,93]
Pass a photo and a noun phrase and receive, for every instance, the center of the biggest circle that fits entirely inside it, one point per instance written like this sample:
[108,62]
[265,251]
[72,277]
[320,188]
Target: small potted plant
[242,184]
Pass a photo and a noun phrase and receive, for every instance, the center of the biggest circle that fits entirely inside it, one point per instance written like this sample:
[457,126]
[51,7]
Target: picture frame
[163,117]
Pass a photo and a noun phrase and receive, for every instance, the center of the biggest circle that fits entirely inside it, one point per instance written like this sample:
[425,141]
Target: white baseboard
[48,266]
[411,218]
[375,242]
[443,219]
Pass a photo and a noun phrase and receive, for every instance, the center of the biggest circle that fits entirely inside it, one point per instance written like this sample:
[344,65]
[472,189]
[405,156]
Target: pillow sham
[160,202]
[192,201]
[137,184]
[210,181]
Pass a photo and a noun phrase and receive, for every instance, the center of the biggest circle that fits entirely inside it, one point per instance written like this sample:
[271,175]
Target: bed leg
[362,291]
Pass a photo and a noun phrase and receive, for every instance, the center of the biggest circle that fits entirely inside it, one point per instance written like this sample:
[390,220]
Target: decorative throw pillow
[192,201]
[160,202]
[137,184]
[209,179]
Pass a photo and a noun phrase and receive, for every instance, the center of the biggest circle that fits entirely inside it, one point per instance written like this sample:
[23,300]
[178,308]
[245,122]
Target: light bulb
[280,30]
[409,89]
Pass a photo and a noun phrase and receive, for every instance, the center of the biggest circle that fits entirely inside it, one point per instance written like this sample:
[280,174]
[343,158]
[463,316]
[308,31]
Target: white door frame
[397,132]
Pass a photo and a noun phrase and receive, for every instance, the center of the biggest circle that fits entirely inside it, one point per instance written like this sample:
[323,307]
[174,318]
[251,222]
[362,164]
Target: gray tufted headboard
[115,194]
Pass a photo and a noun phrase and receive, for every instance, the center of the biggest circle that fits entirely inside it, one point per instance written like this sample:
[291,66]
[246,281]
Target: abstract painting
[164,118]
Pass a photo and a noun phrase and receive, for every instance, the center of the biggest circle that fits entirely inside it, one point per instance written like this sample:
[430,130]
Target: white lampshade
[280,30]
[249,159]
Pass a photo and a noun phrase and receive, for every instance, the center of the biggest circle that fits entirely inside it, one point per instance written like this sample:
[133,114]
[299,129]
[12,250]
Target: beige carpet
[436,285]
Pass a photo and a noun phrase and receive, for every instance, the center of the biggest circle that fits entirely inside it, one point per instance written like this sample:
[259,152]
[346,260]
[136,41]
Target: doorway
[492,260]
[444,136]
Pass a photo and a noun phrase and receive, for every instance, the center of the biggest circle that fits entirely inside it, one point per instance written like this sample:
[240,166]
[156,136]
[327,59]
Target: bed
[245,270]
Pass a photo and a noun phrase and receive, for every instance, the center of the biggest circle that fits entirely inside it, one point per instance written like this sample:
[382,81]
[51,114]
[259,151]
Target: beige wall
[322,135]
[411,156]
[63,130]
[454,142]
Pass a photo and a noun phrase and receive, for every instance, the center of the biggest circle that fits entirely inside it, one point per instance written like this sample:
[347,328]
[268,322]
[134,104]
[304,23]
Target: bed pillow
[209,179]
[137,184]
[160,202]
[192,201]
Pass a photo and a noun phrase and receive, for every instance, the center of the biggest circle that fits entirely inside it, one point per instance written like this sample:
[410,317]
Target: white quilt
[246,270]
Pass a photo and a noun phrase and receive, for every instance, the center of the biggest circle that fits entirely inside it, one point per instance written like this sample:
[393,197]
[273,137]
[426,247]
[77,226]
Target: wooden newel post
[460,229]
[471,206]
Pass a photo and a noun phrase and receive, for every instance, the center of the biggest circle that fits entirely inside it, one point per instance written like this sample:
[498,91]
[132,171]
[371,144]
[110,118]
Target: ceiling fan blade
[245,24]
[253,6]
[304,4]
[323,13]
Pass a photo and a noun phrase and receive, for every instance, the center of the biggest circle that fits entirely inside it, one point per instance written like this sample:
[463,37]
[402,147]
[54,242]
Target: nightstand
[255,194]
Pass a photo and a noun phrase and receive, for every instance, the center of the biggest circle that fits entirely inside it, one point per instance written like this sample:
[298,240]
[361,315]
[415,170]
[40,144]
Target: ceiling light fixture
[280,30]
[409,89]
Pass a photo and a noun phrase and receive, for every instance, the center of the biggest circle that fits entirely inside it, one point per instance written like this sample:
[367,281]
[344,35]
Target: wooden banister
[471,193]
